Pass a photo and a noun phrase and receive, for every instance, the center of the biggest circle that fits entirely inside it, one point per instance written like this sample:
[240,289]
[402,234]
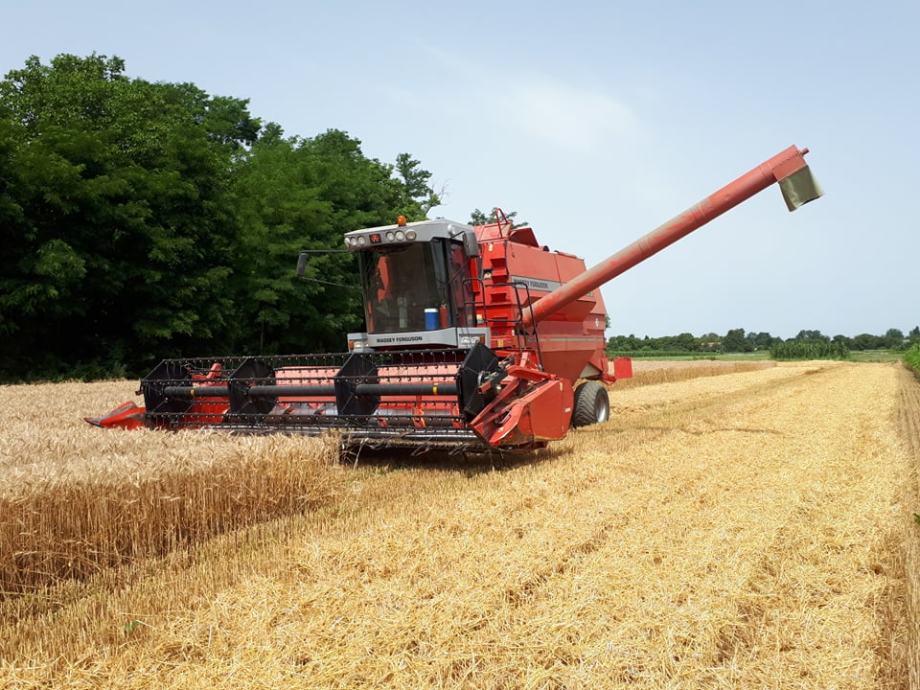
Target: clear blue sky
[596,121]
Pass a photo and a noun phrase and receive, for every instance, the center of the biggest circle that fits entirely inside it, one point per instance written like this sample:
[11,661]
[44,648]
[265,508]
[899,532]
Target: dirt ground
[748,530]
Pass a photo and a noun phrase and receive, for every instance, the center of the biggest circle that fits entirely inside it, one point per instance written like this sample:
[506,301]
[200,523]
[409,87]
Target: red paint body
[570,319]
[571,340]
[546,320]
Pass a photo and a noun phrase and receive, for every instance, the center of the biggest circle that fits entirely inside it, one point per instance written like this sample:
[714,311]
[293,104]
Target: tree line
[141,220]
[739,340]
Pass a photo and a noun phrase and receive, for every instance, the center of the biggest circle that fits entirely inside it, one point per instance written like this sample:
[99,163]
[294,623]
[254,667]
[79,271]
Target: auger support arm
[788,168]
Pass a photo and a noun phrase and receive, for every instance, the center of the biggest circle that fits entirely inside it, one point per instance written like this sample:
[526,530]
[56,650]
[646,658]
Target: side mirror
[470,244]
[301,264]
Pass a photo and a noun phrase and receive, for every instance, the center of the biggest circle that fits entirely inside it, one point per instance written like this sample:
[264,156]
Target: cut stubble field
[751,529]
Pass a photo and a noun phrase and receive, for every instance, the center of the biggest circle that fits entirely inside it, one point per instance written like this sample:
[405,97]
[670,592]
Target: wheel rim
[603,408]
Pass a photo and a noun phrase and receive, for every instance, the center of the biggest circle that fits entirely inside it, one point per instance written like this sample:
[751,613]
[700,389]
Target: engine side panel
[572,341]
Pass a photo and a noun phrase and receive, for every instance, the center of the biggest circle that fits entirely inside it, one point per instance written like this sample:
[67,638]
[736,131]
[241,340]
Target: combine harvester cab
[476,338]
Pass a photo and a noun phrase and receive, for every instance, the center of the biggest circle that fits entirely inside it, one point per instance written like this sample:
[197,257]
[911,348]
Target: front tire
[592,405]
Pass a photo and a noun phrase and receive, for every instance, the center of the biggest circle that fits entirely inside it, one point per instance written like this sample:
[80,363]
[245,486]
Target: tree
[141,220]
[808,349]
[685,341]
[812,336]
[419,196]
[760,341]
[734,341]
[710,342]
[294,194]
[477,217]
[867,341]
[118,235]
[894,338]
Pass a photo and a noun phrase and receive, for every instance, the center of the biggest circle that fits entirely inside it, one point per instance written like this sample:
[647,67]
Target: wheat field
[748,530]
[75,499]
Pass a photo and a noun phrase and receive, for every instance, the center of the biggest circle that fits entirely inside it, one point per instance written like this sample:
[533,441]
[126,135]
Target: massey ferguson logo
[401,339]
[535,283]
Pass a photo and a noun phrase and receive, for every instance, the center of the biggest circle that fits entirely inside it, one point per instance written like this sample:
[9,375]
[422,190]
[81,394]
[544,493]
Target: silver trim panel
[536,283]
[452,337]
[425,231]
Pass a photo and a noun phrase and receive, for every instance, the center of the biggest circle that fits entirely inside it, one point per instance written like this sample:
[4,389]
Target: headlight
[347,241]
[410,235]
[389,236]
[362,240]
[400,235]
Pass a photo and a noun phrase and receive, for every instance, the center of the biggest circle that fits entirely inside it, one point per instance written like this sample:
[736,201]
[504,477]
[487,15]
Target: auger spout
[788,168]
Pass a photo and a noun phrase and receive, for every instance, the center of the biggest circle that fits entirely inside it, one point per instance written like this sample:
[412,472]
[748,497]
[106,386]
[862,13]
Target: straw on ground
[745,530]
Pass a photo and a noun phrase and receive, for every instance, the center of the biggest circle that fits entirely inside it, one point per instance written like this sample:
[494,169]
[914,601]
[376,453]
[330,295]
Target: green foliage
[814,349]
[737,341]
[140,220]
[811,336]
[734,341]
[294,194]
[912,358]
[478,217]
[683,343]
[418,196]
[893,339]
[118,190]
[878,356]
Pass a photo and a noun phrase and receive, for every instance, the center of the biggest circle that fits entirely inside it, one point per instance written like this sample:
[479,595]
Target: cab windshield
[401,282]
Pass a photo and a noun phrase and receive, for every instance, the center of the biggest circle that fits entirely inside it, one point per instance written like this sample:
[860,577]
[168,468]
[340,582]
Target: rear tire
[592,405]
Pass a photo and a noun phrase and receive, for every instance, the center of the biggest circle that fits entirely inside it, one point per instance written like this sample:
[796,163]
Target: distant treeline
[737,340]
[140,220]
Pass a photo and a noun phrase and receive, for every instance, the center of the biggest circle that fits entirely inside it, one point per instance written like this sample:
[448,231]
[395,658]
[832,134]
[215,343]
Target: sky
[596,122]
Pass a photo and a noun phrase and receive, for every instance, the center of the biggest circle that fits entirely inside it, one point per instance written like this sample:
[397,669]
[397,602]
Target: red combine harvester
[476,339]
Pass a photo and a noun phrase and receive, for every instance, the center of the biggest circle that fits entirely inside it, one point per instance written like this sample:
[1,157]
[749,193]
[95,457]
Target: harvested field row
[76,499]
[644,365]
[695,390]
[909,422]
[744,541]
[646,373]
[81,499]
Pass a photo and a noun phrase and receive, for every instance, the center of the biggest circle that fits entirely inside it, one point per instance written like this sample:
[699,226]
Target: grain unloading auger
[476,338]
